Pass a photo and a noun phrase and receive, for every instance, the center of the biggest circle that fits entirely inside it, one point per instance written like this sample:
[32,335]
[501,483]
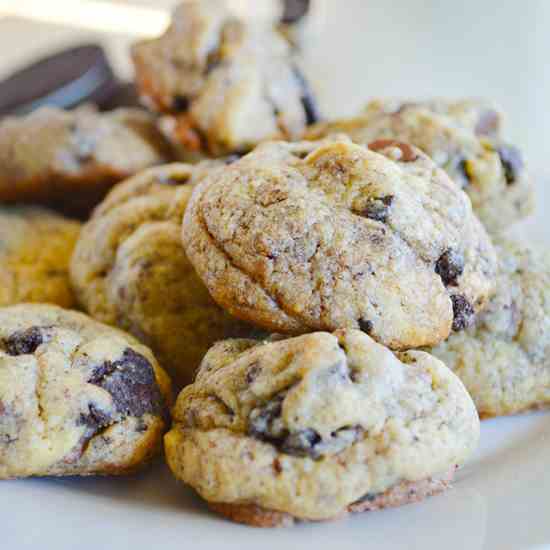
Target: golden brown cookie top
[504,358]
[35,250]
[463,138]
[311,424]
[129,269]
[77,397]
[72,157]
[309,236]
[226,83]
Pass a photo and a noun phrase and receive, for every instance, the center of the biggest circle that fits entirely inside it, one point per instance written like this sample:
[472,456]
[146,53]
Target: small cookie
[35,251]
[69,159]
[316,426]
[129,269]
[463,138]
[76,397]
[224,82]
[504,360]
[298,237]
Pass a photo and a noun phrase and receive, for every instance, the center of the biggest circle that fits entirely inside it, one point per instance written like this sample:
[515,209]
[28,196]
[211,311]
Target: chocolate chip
[369,497]
[252,372]
[294,10]
[512,162]
[463,312]
[378,208]
[301,443]
[308,102]
[213,60]
[365,325]
[449,267]
[487,124]
[131,383]
[95,419]
[26,341]
[173,179]
[265,424]
[408,154]
[234,157]
[277,466]
[261,423]
[180,103]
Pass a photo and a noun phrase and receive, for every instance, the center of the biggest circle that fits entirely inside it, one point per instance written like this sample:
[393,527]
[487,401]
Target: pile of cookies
[337,301]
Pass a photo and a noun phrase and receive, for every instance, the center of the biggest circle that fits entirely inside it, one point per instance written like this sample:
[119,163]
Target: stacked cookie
[325,293]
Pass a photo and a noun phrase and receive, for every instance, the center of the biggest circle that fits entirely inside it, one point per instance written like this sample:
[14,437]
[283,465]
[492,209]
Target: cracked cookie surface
[225,84]
[504,359]
[315,426]
[129,269]
[69,159]
[35,251]
[76,397]
[462,137]
[298,237]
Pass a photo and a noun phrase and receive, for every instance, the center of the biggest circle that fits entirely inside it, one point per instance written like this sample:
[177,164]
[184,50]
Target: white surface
[501,500]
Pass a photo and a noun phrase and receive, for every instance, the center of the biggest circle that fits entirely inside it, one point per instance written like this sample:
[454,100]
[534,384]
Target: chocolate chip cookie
[35,250]
[298,237]
[225,83]
[69,159]
[129,269]
[504,360]
[464,139]
[316,426]
[76,397]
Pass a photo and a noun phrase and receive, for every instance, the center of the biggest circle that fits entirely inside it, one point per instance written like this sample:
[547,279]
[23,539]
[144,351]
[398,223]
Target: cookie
[76,397]
[464,139]
[316,426]
[504,359]
[69,159]
[298,237]
[35,251]
[129,269]
[225,83]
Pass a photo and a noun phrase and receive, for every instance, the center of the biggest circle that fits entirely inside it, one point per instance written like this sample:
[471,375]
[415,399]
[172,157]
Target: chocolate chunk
[262,421]
[95,419]
[213,60]
[25,341]
[180,103]
[512,162]
[308,102]
[368,497]
[378,209]
[488,123]
[265,424]
[173,179]
[463,312]
[252,372]
[294,10]
[301,443]
[408,154]
[449,267]
[131,383]
[365,325]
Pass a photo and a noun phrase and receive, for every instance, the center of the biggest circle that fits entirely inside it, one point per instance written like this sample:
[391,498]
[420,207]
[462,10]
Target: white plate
[501,500]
